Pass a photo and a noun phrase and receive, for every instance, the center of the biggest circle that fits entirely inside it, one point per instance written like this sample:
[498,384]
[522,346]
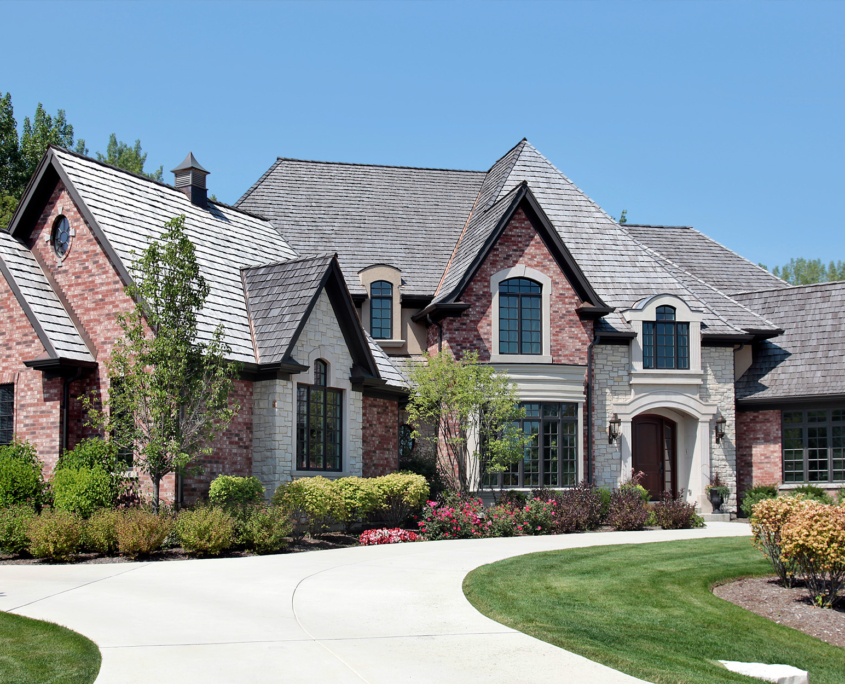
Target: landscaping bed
[766,596]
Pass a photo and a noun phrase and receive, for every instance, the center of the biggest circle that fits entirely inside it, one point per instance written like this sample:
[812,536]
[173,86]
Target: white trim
[521,271]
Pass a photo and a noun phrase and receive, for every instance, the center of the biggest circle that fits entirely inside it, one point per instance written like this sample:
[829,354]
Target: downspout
[595,339]
[66,407]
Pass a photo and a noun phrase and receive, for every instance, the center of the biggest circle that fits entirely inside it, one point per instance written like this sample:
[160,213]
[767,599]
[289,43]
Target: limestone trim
[392,275]
[521,271]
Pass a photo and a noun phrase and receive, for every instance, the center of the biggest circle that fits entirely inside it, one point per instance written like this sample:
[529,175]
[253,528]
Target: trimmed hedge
[56,535]
[227,491]
[82,490]
[205,531]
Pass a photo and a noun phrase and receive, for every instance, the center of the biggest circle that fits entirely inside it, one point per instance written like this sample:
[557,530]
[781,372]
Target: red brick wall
[380,436]
[519,244]
[758,448]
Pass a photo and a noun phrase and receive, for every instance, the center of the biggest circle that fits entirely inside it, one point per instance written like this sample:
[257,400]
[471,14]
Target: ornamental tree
[169,391]
[469,414]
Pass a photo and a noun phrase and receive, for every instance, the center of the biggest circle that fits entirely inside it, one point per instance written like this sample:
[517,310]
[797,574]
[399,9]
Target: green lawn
[647,610]
[35,652]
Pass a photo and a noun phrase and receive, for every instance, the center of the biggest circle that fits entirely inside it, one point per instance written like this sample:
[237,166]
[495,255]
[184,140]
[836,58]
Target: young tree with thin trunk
[169,392]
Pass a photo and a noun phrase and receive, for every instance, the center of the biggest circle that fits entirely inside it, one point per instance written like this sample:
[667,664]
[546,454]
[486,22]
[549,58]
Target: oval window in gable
[61,237]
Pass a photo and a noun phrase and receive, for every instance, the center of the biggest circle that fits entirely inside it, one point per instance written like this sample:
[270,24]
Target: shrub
[227,491]
[98,454]
[539,516]
[767,520]
[14,528]
[463,519]
[314,497]
[205,531]
[21,481]
[400,494]
[579,508]
[56,535]
[385,536]
[676,513]
[627,510]
[641,491]
[265,529]
[513,499]
[422,460]
[503,521]
[140,531]
[361,497]
[814,538]
[756,494]
[101,531]
[812,493]
[605,494]
[82,490]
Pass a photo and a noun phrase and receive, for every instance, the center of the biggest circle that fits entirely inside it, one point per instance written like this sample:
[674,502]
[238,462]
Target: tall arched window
[520,316]
[381,310]
[665,341]
[319,419]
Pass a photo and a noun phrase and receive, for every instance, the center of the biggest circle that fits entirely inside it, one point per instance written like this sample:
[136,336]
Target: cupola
[190,179]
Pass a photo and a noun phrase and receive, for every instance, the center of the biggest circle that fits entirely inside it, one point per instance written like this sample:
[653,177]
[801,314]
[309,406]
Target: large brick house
[632,347]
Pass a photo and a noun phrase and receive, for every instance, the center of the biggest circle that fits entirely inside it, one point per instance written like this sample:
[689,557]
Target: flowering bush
[503,521]
[676,514]
[813,537]
[767,520]
[627,510]
[385,536]
[539,516]
[464,518]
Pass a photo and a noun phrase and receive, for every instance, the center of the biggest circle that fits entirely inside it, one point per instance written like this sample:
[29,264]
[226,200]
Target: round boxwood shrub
[227,491]
[56,535]
[265,529]
[316,498]
[14,528]
[101,531]
[205,531]
[21,481]
[82,490]
[400,494]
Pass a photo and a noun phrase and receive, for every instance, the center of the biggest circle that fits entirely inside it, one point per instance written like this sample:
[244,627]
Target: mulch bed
[767,597]
[326,541]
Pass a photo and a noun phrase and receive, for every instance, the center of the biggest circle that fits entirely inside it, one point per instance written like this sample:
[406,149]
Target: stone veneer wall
[717,363]
[611,368]
[274,435]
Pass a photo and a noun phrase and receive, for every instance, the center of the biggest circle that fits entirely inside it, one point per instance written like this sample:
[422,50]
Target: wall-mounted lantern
[720,428]
[614,429]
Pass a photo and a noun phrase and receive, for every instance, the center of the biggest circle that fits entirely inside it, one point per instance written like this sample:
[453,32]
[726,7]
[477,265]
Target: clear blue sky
[725,116]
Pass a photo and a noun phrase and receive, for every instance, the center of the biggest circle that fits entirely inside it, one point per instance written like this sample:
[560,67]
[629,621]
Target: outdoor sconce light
[614,429]
[720,428]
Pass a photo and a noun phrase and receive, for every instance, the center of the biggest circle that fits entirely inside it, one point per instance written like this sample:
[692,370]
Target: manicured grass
[36,652]
[647,610]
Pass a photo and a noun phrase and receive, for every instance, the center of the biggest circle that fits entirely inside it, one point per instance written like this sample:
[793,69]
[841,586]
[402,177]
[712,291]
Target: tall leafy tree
[119,154]
[808,271]
[169,394]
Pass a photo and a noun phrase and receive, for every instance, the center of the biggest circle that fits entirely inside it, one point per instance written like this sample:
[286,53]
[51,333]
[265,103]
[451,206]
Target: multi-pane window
[7,413]
[520,316]
[550,458]
[814,445]
[381,310]
[665,341]
[319,419]
[61,237]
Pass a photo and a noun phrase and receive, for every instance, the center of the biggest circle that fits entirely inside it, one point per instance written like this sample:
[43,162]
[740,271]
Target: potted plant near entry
[718,493]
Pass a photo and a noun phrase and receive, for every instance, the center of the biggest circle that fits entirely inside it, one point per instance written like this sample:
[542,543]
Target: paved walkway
[382,615]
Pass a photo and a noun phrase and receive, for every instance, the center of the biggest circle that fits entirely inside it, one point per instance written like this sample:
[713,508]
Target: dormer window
[520,316]
[381,310]
[666,341]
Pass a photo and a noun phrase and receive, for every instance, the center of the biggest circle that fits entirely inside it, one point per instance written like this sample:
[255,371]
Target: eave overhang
[59,366]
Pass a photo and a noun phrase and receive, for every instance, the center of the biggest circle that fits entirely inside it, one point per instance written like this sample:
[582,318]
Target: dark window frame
[654,331]
[317,421]
[833,425]
[522,299]
[7,413]
[55,233]
[381,298]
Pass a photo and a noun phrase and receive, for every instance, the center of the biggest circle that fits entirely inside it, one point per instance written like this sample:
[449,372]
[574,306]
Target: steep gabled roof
[808,360]
[705,258]
[408,217]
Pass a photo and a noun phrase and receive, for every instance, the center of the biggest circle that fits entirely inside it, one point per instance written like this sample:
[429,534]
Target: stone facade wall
[475,330]
[758,448]
[380,436]
[611,368]
[717,364]
[273,436]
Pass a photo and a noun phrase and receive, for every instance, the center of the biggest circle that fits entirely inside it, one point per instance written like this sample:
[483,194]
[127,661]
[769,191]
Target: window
[125,452]
[381,310]
[551,457]
[814,445]
[61,237]
[665,341]
[319,418]
[520,316]
[7,413]
[406,441]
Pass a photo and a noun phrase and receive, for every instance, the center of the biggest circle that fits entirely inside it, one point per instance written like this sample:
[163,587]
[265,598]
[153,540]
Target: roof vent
[190,179]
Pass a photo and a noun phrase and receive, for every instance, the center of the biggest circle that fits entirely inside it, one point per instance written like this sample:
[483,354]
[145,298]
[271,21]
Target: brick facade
[380,435]
[758,447]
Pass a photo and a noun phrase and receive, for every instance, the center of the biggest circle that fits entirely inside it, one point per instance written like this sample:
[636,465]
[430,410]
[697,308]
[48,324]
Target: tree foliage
[169,392]
[808,271]
[119,154]
[473,412]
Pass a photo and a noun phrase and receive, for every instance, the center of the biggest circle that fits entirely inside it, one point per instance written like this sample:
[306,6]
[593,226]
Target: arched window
[665,341]
[381,310]
[319,419]
[520,316]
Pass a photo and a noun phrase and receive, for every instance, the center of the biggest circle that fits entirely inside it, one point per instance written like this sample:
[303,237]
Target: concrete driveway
[381,615]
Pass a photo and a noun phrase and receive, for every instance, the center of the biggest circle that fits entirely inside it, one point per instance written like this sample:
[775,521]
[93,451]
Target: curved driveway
[382,615]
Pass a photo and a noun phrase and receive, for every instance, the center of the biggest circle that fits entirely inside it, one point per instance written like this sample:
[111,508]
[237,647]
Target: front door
[654,454]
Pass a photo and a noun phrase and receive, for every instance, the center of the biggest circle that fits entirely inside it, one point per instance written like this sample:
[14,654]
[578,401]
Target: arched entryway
[655,453]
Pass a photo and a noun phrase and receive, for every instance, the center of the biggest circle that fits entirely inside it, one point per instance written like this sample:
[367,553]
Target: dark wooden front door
[654,454]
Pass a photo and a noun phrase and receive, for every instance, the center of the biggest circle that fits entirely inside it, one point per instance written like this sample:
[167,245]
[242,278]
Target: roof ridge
[524,140]
[380,166]
[313,257]
[650,225]
[495,198]
[792,288]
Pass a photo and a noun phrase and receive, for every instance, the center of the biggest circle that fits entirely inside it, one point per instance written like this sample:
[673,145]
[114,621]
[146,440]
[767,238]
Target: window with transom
[665,341]
[814,445]
[381,310]
[520,316]
[319,420]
